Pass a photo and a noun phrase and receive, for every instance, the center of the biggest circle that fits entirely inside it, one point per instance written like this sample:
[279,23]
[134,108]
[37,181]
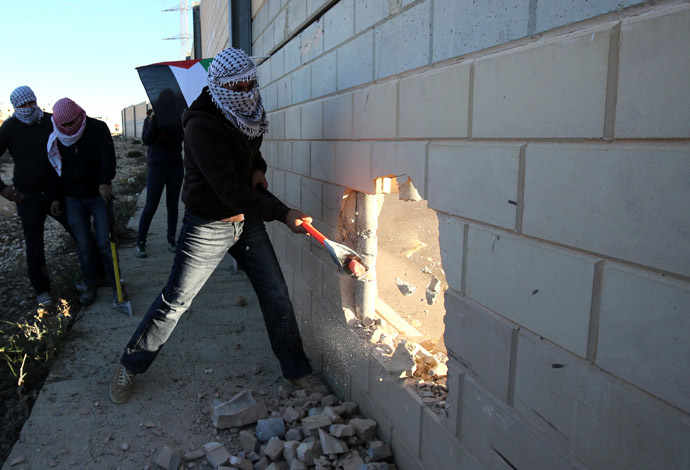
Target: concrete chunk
[290,450]
[293,435]
[365,429]
[290,415]
[315,422]
[193,455]
[216,454]
[297,465]
[274,448]
[378,451]
[403,360]
[239,411]
[341,430]
[332,415]
[331,445]
[169,459]
[242,464]
[268,428]
[249,442]
[308,451]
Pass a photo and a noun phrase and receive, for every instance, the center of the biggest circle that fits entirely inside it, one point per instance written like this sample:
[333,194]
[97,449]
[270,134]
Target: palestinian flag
[172,86]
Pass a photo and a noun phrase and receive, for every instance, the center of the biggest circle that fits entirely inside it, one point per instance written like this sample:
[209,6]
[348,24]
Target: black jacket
[165,143]
[27,145]
[90,162]
[219,161]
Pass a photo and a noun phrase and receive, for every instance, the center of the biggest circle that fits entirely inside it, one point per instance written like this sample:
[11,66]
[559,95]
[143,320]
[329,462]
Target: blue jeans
[79,213]
[201,247]
[32,212]
[169,177]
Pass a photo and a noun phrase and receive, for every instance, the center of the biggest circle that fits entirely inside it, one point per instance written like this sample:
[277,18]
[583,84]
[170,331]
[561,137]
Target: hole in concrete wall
[410,277]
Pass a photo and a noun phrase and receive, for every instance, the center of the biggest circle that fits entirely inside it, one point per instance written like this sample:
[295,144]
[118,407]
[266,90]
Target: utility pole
[184,36]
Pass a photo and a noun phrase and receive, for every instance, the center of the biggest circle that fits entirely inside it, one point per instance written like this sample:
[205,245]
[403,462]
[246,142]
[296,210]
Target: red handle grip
[314,233]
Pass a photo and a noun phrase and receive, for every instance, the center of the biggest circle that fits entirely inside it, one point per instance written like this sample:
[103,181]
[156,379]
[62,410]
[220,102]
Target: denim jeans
[32,212]
[200,249]
[169,177]
[80,210]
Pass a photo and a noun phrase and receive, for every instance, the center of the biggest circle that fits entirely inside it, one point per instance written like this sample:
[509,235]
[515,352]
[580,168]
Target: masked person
[223,213]
[36,187]
[165,171]
[81,151]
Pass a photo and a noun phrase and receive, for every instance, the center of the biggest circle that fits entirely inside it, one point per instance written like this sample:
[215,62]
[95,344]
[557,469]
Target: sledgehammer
[348,261]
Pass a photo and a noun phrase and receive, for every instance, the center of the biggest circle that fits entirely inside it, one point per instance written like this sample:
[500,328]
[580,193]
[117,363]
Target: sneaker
[81,287]
[89,296]
[172,248]
[310,383]
[122,384]
[44,299]
[140,250]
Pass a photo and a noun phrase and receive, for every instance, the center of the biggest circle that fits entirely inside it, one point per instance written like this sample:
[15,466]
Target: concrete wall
[133,119]
[553,140]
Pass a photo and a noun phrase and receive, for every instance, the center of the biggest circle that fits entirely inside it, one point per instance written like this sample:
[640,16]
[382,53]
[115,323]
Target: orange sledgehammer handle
[314,233]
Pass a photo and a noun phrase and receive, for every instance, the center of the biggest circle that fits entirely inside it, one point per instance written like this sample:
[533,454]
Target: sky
[85,50]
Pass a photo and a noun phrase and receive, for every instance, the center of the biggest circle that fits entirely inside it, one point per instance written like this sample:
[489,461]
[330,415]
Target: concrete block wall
[552,139]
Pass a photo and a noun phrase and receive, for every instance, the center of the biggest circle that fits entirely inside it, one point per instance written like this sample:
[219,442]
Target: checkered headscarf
[64,110]
[244,110]
[22,95]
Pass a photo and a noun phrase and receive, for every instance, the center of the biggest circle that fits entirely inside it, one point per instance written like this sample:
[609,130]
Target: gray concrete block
[292,57]
[293,253]
[293,190]
[323,161]
[476,181]
[332,201]
[376,111]
[285,154]
[277,64]
[654,51]
[549,89]
[278,188]
[269,96]
[293,122]
[296,15]
[311,41]
[550,15]
[602,420]
[323,75]
[452,236]
[409,32]
[464,26]
[339,23]
[435,104]
[301,84]
[440,449]
[355,62]
[543,288]
[481,341]
[284,90]
[599,194]
[312,197]
[312,120]
[277,125]
[499,437]
[337,117]
[279,26]
[405,458]
[369,12]
[353,161]
[407,417]
[301,157]
[641,322]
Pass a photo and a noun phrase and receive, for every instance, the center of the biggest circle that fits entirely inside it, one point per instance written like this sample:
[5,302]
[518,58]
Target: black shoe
[89,296]
[172,248]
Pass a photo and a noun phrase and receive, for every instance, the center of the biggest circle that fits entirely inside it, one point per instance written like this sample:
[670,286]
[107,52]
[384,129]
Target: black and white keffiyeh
[244,110]
[22,95]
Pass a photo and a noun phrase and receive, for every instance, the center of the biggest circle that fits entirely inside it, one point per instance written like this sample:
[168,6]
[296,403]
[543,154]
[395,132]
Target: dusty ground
[17,300]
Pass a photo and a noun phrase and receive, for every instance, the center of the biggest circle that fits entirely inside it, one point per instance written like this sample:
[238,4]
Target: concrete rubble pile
[302,432]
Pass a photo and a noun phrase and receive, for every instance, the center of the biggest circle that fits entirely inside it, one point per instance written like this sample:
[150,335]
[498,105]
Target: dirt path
[214,352]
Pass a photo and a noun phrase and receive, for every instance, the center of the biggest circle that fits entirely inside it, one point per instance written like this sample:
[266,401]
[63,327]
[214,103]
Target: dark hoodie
[219,161]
